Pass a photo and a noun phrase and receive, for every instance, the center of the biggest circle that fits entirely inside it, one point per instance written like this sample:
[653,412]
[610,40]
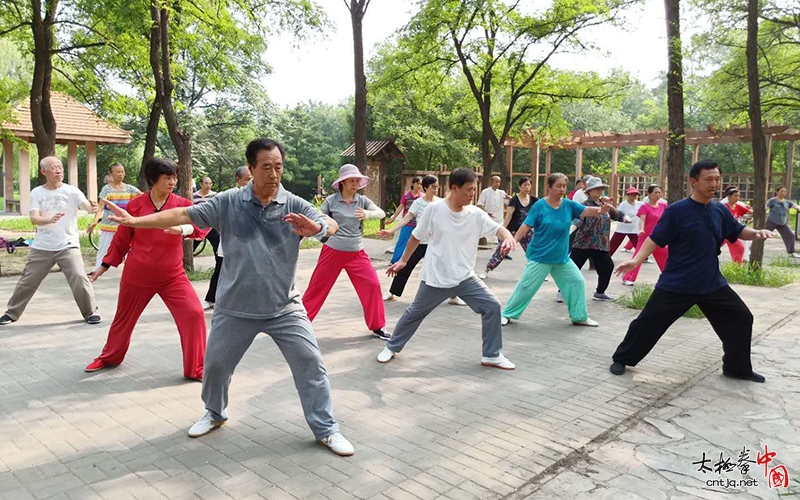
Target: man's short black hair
[701,165]
[461,176]
[154,168]
[257,145]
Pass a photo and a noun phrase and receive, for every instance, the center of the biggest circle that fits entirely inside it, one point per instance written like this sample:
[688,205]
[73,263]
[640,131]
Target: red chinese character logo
[765,459]
[778,477]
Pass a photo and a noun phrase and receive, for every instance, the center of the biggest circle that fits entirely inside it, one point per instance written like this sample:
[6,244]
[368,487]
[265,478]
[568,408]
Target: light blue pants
[230,338]
[568,278]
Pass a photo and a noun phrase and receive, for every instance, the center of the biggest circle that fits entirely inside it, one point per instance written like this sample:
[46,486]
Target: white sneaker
[498,362]
[559,298]
[338,444]
[504,321]
[386,355]
[209,306]
[796,255]
[456,301]
[628,283]
[483,276]
[204,426]
[388,296]
[588,322]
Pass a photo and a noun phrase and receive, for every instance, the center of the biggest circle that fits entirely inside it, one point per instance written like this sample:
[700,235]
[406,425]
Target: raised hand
[395,268]
[302,225]
[383,234]
[764,234]
[174,230]
[93,204]
[508,246]
[360,214]
[605,208]
[120,216]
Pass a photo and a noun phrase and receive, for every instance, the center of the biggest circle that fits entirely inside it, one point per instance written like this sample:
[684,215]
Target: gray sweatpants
[230,338]
[472,291]
[36,270]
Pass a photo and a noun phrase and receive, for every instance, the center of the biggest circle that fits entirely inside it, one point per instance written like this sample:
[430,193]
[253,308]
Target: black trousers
[399,281]
[603,265]
[730,317]
[213,238]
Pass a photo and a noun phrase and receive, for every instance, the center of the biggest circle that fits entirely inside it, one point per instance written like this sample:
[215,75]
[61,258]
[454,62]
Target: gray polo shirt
[257,278]
[348,237]
[778,211]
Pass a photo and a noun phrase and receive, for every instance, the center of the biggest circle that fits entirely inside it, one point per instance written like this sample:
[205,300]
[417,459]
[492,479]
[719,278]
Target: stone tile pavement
[431,424]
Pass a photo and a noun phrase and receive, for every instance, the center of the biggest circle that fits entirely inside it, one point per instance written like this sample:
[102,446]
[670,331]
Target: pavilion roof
[374,148]
[654,137]
[75,123]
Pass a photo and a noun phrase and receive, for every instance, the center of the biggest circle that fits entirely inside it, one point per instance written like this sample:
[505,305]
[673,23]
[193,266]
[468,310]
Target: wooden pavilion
[580,140]
[77,125]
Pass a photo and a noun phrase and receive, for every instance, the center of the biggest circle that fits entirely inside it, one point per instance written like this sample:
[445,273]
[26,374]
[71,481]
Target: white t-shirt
[493,201]
[48,202]
[580,196]
[418,208]
[452,242]
[631,211]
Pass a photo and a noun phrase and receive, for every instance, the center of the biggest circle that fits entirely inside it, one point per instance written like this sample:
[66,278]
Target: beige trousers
[39,264]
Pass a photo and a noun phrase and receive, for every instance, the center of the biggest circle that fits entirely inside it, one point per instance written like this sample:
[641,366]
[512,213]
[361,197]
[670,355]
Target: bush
[23,224]
[757,276]
[200,274]
[639,296]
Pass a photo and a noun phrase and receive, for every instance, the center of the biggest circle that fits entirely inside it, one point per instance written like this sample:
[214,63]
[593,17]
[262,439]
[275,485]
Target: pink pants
[737,250]
[660,255]
[362,275]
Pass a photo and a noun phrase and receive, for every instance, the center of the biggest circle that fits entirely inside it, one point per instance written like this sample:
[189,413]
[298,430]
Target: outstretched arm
[647,249]
[161,220]
[751,234]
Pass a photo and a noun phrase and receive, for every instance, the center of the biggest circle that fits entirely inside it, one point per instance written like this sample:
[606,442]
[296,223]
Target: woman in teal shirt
[548,253]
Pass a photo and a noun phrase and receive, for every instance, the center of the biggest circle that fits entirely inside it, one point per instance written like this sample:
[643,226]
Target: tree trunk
[360,133]
[150,140]
[161,64]
[759,141]
[676,139]
[42,120]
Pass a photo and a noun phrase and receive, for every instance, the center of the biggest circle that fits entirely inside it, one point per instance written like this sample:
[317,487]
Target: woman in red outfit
[739,210]
[649,214]
[154,265]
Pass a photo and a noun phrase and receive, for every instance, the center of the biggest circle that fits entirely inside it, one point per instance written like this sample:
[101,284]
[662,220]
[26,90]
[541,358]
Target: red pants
[181,300]
[362,275]
[633,239]
[660,255]
[737,250]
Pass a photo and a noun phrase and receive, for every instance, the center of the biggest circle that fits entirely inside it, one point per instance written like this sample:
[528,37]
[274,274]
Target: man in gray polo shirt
[261,226]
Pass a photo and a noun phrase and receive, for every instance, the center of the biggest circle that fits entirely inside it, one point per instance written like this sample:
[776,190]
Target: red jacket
[154,257]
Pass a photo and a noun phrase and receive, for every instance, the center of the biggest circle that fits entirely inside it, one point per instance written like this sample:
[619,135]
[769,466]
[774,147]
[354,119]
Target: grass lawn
[639,296]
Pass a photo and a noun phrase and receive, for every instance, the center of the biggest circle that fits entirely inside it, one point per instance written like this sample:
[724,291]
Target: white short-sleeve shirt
[48,202]
[494,202]
[452,242]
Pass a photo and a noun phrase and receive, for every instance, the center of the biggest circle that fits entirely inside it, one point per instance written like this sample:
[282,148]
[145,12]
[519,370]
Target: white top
[418,208]
[48,202]
[580,196]
[452,242]
[494,202]
[631,211]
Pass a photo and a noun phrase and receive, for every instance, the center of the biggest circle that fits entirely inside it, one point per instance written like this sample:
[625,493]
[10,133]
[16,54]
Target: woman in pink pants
[345,250]
[649,214]
[739,211]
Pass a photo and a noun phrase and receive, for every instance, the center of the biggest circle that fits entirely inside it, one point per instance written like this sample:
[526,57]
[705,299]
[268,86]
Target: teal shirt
[550,243]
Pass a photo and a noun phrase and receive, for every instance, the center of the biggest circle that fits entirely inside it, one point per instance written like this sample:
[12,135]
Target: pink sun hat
[350,171]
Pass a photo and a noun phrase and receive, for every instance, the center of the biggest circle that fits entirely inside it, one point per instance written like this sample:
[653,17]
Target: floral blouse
[593,232]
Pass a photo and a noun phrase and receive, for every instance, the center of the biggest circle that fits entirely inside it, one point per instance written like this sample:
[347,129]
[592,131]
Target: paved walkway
[431,424]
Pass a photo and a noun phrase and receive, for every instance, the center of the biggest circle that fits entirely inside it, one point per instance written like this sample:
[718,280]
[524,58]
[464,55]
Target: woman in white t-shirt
[629,207]
[430,186]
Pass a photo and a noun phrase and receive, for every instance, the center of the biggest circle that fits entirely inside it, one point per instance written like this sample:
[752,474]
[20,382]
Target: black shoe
[382,334]
[617,368]
[508,257]
[94,319]
[6,319]
[752,377]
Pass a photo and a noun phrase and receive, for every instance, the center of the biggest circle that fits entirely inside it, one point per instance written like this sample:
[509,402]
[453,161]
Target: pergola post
[662,167]
[769,163]
[535,168]
[695,153]
[24,181]
[91,170]
[72,163]
[509,168]
[579,163]
[614,181]
[548,161]
[789,167]
[8,169]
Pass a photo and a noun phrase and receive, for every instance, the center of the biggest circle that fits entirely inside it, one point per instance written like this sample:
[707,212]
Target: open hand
[763,234]
[174,230]
[395,268]
[625,267]
[302,225]
[360,214]
[508,246]
[604,208]
[101,270]
[57,217]
[383,234]
[120,215]
[93,204]
[90,228]
[627,220]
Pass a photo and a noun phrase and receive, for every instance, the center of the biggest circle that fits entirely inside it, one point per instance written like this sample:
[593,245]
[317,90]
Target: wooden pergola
[580,140]
[76,125]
